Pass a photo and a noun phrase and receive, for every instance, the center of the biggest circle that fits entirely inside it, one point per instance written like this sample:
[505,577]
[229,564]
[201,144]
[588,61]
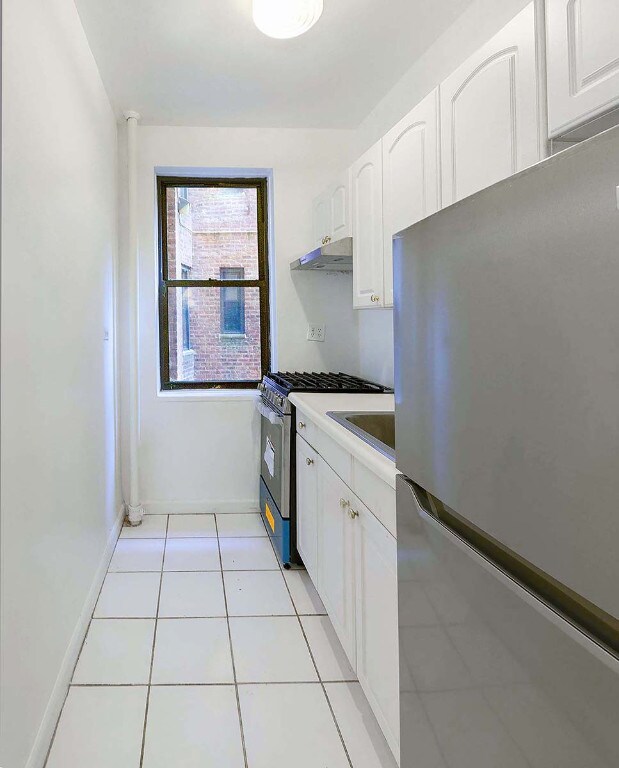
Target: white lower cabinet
[336,565]
[352,560]
[376,591]
[307,506]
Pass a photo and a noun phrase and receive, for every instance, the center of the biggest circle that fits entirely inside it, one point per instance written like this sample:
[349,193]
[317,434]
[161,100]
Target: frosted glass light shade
[286,18]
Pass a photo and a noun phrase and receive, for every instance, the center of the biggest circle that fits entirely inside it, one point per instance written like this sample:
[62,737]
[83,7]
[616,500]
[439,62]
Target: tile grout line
[224,685]
[236,686]
[152,650]
[320,680]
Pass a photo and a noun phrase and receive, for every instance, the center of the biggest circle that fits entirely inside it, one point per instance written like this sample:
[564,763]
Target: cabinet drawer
[376,494]
[336,457]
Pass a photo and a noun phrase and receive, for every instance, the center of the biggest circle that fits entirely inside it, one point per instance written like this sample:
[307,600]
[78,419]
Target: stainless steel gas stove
[277,449]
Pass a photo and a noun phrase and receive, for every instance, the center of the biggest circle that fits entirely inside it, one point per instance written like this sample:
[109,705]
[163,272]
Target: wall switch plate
[315,332]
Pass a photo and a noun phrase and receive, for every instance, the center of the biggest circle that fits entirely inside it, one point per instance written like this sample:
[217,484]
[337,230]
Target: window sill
[206,395]
[239,336]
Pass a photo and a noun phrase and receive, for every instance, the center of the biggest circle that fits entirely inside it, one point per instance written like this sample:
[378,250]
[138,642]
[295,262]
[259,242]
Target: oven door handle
[268,413]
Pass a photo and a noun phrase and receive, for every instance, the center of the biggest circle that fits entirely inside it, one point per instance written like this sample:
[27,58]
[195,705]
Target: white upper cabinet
[490,117]
[339,200]
[411,177]
[582,60]
[321,218]
[366,177]
[331,212]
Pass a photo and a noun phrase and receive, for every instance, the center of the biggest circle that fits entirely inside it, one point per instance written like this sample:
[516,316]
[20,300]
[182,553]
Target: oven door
[275,454]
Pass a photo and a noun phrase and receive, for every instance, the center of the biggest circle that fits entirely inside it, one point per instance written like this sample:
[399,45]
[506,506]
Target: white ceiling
[202,62]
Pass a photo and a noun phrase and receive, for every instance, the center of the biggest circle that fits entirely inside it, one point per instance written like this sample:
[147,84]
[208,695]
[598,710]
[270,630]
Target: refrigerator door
[490,676]
[507,364]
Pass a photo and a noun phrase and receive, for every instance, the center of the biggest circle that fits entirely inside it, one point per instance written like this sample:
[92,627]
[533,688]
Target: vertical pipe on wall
[135,511]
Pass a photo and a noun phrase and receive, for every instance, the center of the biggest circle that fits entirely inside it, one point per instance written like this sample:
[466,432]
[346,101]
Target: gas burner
[293,381]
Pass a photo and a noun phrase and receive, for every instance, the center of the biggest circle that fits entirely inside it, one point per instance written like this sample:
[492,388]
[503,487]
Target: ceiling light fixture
[286,18]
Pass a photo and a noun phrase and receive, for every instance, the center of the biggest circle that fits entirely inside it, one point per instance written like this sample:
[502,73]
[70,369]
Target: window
[214,283]
[232,303]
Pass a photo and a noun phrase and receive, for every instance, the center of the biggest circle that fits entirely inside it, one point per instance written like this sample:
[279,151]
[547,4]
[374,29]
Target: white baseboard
[38,753]
[200,507]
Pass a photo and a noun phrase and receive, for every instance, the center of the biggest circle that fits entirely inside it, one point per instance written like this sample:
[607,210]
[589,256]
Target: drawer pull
[353,513]
[344,503]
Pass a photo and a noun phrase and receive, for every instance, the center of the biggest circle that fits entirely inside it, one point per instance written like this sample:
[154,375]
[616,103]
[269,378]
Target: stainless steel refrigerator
[507,438]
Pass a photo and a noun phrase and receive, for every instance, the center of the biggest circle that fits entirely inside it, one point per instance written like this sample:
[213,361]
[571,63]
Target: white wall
[60,498]
[196,452]
[481,20]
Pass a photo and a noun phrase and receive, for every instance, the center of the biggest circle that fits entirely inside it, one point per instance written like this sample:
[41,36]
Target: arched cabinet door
[491,122]
[411,177]
[366,178]
[321,218]
[340,207]
[583,61]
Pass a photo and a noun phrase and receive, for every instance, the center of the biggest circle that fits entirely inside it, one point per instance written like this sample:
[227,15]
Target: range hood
[331,257]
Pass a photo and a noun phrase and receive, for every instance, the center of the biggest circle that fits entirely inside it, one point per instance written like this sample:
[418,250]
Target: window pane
[214,334]
[210,229]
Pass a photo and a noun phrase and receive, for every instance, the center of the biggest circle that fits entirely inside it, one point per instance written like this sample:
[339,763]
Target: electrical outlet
[315,333]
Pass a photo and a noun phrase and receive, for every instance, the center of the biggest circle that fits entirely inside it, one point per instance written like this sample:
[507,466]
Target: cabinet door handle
[375,297]
[309,462]
[344,503]
[353,513]
[301,425]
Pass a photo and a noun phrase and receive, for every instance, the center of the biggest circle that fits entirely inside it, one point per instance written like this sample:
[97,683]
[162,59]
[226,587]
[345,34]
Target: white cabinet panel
[490,117]
[367,228]
[377,621]
[321,218]
[340,207]
[331,212]
[411,177]
[336,569]
[582,60]
[307,505]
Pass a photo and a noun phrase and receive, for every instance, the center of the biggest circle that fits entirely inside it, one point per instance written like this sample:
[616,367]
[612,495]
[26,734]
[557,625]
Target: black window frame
[241,300]
[166,284]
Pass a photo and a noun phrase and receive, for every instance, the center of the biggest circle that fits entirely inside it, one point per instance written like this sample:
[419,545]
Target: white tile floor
[203,652]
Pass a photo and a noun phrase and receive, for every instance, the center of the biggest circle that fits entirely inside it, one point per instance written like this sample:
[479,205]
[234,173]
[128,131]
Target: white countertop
[316,405]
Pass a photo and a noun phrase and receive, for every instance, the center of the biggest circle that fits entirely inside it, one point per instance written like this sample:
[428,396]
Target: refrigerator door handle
[598,625]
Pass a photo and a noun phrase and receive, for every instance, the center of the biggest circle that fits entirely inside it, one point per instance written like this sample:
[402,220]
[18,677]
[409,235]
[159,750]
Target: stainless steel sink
[375,429]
